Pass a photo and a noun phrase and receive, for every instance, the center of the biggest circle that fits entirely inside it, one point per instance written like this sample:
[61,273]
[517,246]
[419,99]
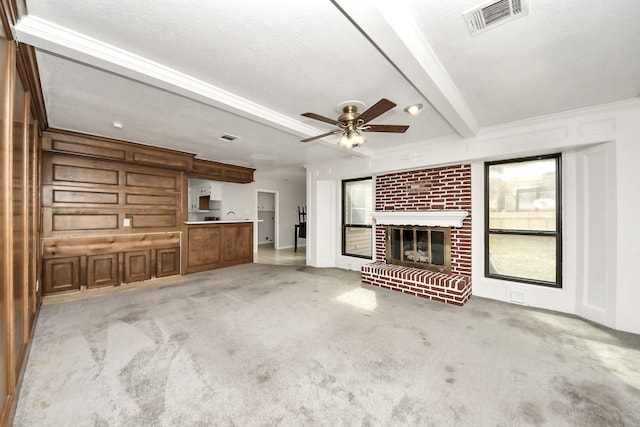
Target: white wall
[242,199]
[614,125]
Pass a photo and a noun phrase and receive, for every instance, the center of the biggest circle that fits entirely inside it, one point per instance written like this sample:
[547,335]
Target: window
[523,220]
[357,203]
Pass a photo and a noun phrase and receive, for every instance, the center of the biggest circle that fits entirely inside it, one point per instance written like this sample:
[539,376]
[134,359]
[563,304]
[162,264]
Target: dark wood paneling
[96,245]
[203,247]
[72,196]
[167,262]
[238,175]
[206,169]
[19,215]
[106,148]
[34,225]
[83,196]
[149,180]
[142,220]
[102,270]
[7,376]
[102,152]
[85,175]
[21,140]
[212,246]
[237,241]
[82,221]
[137,266]
[181,162]
[61,274]
[157,200]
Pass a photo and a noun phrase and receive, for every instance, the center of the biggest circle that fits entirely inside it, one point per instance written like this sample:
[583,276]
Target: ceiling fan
[350,123]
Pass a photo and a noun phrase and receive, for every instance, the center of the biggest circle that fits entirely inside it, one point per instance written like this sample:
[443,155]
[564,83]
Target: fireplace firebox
[422,247]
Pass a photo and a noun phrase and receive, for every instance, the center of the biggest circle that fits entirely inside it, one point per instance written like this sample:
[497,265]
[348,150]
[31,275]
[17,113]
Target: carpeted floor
[260,345]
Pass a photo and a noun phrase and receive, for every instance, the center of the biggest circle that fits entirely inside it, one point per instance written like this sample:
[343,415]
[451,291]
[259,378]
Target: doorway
[267,213]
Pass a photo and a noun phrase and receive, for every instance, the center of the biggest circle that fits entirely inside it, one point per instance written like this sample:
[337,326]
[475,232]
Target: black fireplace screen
[423,247]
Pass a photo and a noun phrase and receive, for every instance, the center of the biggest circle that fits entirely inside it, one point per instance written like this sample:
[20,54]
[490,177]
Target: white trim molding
[434,218]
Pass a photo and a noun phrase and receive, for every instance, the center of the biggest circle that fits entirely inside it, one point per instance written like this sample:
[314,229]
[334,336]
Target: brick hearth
[450,189]
[447,288]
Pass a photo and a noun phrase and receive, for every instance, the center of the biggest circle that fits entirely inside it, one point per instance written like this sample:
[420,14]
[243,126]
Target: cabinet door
[237,241]
[137,266]
[61,274]
[102,270]
[167,262]
[203,248]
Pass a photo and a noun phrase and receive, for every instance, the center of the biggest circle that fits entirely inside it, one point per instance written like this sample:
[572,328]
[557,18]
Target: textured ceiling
[252,67]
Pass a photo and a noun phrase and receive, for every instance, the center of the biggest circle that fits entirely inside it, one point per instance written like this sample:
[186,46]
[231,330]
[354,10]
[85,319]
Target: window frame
[345,225]
[544,233]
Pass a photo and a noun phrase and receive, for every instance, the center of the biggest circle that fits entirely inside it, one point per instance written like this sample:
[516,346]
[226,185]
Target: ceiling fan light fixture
[413,109]
[357,139]
[345,141]
[351,123]
[351,138]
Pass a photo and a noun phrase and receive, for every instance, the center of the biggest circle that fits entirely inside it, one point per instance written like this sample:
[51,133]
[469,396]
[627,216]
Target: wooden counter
[218,244]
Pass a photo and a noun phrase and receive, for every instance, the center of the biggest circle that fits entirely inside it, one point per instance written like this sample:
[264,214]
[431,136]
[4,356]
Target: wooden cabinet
[212,246]
[237,242]
[167,262]
[215,171]
[113,212]
[203,247]
[121,151]
[61,275]
[137,266]
[102,270]
[111,149]
[71,263]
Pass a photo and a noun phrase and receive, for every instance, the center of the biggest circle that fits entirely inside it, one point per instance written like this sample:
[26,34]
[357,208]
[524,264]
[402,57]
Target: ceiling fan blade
[376,110]
[333,132]
[321,118]
[386,128]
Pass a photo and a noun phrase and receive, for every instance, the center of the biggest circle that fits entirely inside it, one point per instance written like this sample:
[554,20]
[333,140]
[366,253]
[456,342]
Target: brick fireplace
[436,197]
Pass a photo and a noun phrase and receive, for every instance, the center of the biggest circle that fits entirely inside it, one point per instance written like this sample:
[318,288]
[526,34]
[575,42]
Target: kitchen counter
[222,221]
[216,244]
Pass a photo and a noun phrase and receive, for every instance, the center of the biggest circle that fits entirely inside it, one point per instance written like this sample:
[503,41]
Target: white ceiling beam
[391,28]
[62,41]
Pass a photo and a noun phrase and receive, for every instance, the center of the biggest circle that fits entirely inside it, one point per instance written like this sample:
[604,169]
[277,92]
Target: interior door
[596,200]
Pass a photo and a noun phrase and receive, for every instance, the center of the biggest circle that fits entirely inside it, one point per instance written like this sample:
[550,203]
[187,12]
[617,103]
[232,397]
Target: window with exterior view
[357,203]
[523,220]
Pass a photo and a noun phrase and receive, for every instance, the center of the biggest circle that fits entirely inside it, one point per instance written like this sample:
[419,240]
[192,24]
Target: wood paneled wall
[19,213]
[113,212]
[107,222]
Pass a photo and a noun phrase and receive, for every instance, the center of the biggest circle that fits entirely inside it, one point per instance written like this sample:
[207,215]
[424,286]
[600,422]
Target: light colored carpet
[296,346]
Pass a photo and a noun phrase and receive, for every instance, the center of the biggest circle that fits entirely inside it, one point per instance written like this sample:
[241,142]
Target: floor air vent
[491,14]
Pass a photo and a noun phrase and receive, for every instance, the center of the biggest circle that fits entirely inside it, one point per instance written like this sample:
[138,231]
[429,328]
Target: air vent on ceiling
[493,13]
[228,138]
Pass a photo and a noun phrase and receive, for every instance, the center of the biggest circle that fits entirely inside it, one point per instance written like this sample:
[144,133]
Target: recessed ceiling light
[413,109]
[117,125]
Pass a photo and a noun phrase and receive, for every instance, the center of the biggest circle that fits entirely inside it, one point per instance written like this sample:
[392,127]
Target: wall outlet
[127,222]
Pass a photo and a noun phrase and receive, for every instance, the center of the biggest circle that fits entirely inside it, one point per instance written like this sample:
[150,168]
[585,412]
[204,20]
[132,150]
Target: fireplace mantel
[433,218]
